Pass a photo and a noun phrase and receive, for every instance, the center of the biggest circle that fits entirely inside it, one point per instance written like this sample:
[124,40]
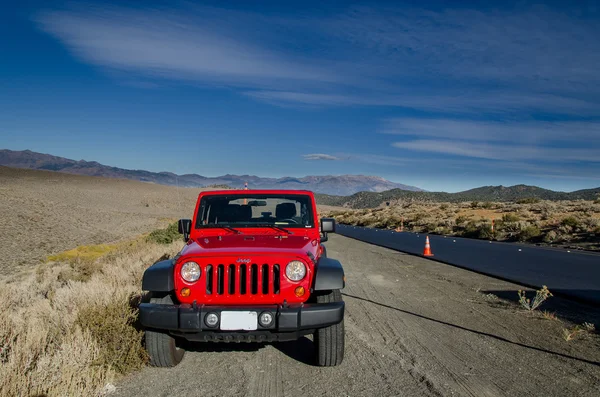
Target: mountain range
[484,193]
[341,185]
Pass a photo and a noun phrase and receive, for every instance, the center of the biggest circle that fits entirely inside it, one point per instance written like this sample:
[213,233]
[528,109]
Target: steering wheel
[289,220]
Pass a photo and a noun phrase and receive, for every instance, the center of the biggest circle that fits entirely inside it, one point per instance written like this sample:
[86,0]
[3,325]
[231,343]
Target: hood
[231,245]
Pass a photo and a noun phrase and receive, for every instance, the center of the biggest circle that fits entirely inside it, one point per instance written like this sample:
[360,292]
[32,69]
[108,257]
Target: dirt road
[413,328]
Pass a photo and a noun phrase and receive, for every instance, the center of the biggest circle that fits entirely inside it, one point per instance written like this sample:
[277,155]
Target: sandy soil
[413,328]
[46,212]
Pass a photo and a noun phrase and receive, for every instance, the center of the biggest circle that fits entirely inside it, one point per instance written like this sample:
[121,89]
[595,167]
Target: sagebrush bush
[510,217]
[529,232]
[112,327]
[528,200]
[478,230]
[165,236]
[570,221]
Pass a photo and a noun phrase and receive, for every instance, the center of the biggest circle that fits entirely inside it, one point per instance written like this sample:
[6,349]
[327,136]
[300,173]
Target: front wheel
[162,347]
[329,341]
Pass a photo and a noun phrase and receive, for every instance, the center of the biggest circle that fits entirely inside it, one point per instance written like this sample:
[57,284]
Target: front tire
[162,347]
[329,341]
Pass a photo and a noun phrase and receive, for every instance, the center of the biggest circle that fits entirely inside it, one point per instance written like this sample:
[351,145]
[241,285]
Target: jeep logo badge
[241,260]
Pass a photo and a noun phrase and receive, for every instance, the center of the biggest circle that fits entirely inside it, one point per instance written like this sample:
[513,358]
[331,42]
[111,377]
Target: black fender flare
[329,275]
[324,254]
[159,277]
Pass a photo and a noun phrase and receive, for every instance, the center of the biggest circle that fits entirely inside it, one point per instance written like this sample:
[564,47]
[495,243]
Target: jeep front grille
[242,279]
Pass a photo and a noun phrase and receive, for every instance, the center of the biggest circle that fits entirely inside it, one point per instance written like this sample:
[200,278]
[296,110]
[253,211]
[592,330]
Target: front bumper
[290,322]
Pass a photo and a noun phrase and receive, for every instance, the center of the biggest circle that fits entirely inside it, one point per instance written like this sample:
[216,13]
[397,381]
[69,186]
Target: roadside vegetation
[578,330]
[540,296]
[68,327]
[564,223]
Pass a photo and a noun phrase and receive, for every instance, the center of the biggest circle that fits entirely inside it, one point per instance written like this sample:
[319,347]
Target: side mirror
[327,225]
[183,227]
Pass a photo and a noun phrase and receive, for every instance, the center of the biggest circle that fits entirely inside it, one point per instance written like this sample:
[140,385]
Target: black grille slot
[265,279]
[243,279]
[231,278]
[254,279]
[209,279]
[220,279]
[275,279]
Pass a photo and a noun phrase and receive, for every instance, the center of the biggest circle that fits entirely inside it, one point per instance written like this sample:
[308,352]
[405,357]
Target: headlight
[190,271]
[295,270]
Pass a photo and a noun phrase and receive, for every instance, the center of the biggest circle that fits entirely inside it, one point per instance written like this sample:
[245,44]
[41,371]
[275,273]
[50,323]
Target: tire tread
[162,347]
[329,341]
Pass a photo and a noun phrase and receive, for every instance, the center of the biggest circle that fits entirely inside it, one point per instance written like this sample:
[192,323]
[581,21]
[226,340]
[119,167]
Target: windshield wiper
[272,226]
[215,226]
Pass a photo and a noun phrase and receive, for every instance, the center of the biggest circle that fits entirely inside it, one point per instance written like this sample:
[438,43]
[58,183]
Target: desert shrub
[164,236]
[528,233]
[540,296]
[474,204]
[570,221]
[474,230]
[430,227]
[461,219]
[80,271]
[444,207]
[590,224]
[528,200]
[510,217]
[551,237]
[419,216]
[112,327]
[443,230]
[487,205]
[597,201]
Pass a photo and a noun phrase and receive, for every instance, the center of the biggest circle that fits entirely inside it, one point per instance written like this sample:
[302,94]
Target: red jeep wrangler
[253,270]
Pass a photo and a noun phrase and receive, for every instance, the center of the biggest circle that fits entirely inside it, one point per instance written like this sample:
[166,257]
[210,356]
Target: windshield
[288,211]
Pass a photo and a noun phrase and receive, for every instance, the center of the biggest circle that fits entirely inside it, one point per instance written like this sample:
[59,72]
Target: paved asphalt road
[573,274]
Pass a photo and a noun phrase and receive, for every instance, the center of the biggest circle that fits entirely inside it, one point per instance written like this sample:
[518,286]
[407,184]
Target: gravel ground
[413,327]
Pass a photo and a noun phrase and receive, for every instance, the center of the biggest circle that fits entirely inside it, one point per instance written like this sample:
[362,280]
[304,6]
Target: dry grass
[61,336]
[571,333]
[562,223]
[549,315]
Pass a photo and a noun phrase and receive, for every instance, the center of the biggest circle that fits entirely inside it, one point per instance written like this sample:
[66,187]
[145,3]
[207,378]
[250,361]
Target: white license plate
[236,321]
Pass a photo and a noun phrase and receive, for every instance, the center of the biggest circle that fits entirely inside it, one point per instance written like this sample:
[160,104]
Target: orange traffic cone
[427,250]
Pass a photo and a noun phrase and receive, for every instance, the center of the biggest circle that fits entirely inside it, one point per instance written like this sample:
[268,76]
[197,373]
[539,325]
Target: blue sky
[422,93]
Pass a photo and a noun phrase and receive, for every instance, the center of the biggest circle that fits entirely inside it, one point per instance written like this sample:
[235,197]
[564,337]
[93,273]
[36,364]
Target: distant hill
[484,193]
[328,184]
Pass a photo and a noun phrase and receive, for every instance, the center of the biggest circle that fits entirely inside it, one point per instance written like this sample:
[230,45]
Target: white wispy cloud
[532,132]
[178,45]
[506,152]
[320,156]
[452,61]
